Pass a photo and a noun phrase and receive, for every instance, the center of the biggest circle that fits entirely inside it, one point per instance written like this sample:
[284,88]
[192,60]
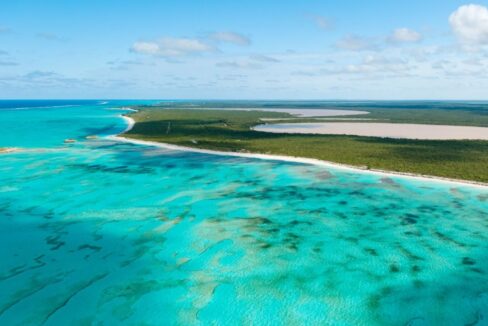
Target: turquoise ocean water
[104,233]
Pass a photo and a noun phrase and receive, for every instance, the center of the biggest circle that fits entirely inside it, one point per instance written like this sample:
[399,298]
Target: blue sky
[244,50]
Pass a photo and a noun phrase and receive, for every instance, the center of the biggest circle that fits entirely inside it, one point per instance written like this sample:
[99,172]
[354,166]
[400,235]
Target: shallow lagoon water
[101,232]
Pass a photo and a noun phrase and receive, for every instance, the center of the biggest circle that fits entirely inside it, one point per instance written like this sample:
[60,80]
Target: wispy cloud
[126,64]
[38,74]
[4,29]
[49,78]
[263,58]
[170,47]
[51,37]
[239,65]
[357,43]
[404,35]
[370,66]
[231,37]
[373,64]
[8,63]
[322,22]
[173,48]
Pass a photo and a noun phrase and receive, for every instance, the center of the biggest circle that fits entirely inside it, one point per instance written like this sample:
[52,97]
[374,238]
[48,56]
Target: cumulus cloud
[172,47]
[470,24]
[356,43]
[404,35]
[231,37]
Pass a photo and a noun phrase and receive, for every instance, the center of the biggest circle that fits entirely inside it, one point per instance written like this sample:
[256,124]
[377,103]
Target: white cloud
[145,48]
[470,24]
[172,47]
[4,29]
[404,35]
[231,37]
[356,43]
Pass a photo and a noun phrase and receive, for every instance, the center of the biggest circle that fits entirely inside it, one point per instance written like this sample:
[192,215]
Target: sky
[253,49]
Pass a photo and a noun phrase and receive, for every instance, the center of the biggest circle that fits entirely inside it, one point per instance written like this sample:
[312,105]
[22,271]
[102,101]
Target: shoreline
[130,122]
[293,159]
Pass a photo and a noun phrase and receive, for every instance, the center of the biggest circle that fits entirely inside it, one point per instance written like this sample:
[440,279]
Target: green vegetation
[424,112]
[230,131]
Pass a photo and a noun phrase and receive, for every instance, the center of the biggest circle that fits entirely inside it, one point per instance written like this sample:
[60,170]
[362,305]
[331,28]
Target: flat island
[232,131]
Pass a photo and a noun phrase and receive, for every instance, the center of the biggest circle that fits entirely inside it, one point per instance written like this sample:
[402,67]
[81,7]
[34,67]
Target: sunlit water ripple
[110,233]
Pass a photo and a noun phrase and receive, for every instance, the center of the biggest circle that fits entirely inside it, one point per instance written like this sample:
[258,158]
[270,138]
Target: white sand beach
[384,130]
[130,123]
[311,161]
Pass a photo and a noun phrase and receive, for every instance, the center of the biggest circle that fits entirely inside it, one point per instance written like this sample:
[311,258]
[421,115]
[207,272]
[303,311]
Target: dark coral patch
[265,246]
[416,269]
[469,261]
[418,284]
[409,221]
[292,246]
[477,270]
[371,251]
[394,268]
